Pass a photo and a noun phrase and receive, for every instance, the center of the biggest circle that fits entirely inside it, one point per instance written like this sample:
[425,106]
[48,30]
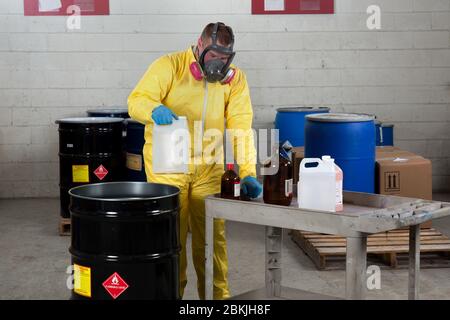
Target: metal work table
[363,214]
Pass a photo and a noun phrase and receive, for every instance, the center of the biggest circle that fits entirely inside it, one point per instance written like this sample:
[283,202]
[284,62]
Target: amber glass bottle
[278,187]
[231,184]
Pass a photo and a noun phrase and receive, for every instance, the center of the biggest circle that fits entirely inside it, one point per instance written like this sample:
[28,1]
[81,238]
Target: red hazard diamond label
[115,285]
[101,172]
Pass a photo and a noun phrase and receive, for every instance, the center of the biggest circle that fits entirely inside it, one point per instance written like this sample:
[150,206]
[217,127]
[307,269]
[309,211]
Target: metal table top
[363,213]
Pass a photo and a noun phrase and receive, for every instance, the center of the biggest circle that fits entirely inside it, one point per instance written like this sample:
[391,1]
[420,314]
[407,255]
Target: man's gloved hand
[163,115]
[251,187]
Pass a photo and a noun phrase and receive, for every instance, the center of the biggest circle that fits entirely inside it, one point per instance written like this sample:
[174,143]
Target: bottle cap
[230,166]
[286,150]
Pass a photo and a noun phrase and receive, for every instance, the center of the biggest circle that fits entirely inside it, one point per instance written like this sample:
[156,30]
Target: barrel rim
[367,114]
[88,120]
[78,254]
[108,111]
[303,109]
[340,117]
[131,120]
[383,124]
[131,199]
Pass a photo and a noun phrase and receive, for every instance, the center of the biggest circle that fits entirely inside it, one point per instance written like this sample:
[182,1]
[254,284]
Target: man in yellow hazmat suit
[202,85]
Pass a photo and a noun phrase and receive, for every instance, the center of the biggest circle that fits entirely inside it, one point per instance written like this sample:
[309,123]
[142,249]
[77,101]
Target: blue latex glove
[163,115]
[251,187]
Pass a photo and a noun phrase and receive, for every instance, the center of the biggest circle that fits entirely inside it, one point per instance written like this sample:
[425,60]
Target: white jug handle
[309,160]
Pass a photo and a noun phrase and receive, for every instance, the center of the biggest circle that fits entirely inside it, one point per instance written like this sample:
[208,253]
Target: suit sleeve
[239,117]
[151,90]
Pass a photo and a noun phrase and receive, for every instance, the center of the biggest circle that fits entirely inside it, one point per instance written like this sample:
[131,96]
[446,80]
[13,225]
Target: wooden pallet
[391,248]
[64,227]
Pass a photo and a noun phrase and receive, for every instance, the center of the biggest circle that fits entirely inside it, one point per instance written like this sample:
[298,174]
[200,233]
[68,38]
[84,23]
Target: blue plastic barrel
[291,123]
[111,113]
[350,140]
[135,168]
[384,134]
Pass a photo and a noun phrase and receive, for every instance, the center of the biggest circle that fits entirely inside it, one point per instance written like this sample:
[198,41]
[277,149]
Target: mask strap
[214,33]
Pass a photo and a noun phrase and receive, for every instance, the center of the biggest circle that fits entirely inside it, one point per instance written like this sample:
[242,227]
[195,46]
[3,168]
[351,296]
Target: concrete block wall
[401,73]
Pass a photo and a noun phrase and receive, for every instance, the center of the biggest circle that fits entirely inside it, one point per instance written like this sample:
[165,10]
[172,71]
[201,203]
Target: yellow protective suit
[168,81]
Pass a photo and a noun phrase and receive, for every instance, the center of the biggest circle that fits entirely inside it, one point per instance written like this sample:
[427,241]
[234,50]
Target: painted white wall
[401,72]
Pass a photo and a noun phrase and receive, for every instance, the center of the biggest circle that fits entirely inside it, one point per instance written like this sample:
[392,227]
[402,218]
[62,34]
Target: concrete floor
[34,260]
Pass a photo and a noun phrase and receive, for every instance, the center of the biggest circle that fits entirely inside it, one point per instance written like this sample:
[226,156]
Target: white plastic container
[320,187]
[171,147]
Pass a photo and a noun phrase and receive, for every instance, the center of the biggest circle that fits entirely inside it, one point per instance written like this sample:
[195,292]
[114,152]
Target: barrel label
[82,280]
[101,172]
[80,173]
[288,187]
[134,161]
[237,189]
[115,285]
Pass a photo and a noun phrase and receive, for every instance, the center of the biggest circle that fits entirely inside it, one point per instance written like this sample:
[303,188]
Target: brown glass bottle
[230,187]
[278,187]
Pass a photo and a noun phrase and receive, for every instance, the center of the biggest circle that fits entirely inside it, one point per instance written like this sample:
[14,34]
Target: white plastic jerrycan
[320,187]
[171,147]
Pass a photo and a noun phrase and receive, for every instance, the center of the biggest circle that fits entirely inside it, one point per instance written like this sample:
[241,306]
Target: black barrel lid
[124,191]
[111,111]
[89,120]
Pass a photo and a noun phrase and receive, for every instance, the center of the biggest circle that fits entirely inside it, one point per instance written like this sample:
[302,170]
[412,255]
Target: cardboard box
[397,153]
[405,175]
[387,148]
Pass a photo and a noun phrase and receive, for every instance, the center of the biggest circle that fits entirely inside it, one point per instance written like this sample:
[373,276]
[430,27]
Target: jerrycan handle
[310,160]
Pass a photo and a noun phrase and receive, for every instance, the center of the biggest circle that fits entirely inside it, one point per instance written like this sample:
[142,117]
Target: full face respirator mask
[215,69]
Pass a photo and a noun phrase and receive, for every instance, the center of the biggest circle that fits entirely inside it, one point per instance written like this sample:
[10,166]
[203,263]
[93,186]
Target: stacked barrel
[105,146]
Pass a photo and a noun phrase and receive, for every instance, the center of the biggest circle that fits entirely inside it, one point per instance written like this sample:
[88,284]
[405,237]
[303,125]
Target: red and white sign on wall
[292,6]
[62,7]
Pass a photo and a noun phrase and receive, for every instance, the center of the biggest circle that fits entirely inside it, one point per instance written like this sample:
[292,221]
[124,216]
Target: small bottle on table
[231,184]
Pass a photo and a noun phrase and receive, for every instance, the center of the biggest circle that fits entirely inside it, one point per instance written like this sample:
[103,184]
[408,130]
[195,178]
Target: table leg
[209,254]
[414,262]
[356,262]
[274,238]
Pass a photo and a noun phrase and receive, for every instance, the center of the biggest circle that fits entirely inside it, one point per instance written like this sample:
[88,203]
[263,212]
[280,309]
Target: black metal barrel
[125,241]
[115,113]
[90,151]
[135,140]
[111,113]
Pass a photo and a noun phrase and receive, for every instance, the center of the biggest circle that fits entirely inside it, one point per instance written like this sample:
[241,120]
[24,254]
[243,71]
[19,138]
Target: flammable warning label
[82,280]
